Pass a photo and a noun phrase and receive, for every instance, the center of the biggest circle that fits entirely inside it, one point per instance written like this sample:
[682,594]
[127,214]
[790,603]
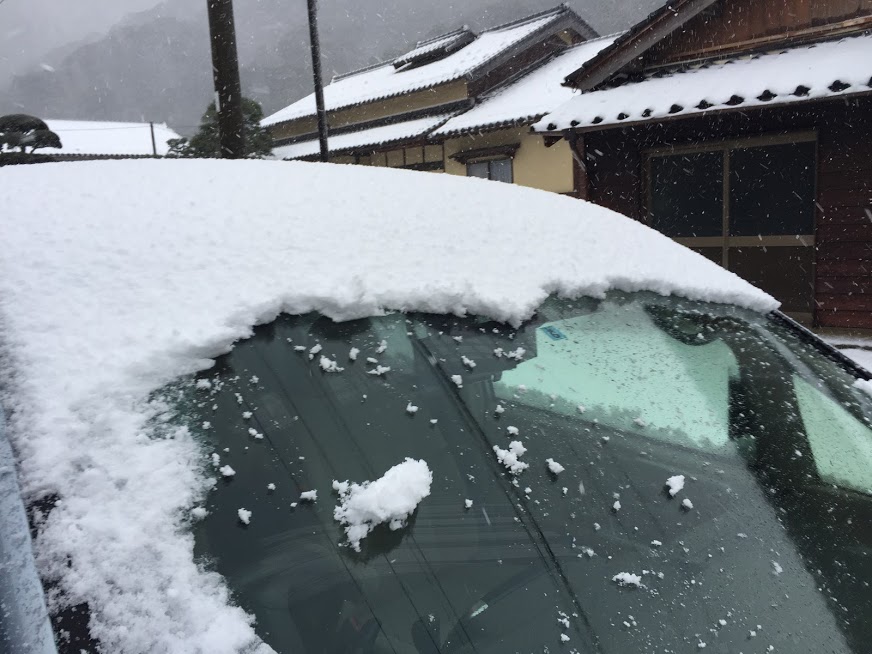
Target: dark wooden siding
[739,25]
[843,237]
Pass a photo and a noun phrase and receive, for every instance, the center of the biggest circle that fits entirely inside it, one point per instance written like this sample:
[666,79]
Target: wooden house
[743,129]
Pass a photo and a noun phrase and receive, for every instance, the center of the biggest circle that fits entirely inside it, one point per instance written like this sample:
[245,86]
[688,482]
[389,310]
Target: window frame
[725,241]
[490,173]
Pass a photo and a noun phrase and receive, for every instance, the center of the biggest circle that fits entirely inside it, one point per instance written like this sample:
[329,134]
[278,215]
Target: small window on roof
[434,49]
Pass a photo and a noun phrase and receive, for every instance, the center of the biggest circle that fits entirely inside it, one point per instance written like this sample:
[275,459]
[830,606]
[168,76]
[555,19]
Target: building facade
[442,106]
[743,129]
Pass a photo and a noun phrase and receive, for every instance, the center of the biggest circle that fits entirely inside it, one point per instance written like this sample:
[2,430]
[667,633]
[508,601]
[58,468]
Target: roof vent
[435,49]
[801,91]
[734,100]
[766,96]
[838,86]
[674,109]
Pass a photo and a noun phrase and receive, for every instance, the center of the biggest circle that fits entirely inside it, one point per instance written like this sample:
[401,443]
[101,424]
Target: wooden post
[316,74]
[225,73]
[153,144]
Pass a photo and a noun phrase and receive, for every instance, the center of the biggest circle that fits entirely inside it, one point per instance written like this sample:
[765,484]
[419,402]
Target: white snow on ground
[119,277]
[857,348]
[390,499]
[675,485]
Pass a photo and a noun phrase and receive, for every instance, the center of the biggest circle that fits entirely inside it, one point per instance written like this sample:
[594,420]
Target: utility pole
[153,144]
[316,73]
[225,73]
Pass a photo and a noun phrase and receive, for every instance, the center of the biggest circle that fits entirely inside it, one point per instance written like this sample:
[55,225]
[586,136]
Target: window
[772,190]
[769,190]
[687,194]
[499,170]
[742,204]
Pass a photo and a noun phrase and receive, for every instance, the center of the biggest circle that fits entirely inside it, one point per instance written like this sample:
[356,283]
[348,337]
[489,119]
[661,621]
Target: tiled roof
[385,81]
[530,97]
[108,138]
[373,137]
[786,75]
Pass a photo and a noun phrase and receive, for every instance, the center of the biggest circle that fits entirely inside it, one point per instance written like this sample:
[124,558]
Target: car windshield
[697,476]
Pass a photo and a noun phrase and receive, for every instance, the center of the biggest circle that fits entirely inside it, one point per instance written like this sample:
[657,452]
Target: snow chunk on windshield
[675,485]
[329,365]
[309,496]
[511,457]
[554,467]
[244,516]
[390,499]
[628,579]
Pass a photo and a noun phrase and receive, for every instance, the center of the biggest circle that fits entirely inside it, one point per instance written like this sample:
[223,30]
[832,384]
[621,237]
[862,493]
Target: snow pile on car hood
[390,499]
[118,277]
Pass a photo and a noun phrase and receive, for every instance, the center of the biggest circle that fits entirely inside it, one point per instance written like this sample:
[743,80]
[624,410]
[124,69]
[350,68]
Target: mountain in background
[156,65]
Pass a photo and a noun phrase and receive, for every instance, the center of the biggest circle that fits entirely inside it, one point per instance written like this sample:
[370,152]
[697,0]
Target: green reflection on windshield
[624,372]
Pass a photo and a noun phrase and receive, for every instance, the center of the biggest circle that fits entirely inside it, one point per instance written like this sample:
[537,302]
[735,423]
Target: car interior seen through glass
[766,545]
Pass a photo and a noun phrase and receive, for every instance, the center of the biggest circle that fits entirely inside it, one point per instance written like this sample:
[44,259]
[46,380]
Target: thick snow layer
[385,81]
[391,499]
[118,277]
[92,137]
[780,72]
[367,137]
[530,97]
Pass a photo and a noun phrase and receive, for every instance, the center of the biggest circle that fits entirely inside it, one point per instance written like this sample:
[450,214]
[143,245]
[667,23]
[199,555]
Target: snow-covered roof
[530,97]
[427,46]
[375,136]
[385,81]
[118,277]
[108,138]
[785,75]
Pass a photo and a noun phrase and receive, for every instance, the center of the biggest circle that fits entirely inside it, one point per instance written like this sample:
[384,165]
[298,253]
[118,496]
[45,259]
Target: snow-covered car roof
[119,277]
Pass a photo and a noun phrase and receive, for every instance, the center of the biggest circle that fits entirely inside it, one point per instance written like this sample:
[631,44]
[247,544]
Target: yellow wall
[442,94]
[536,166]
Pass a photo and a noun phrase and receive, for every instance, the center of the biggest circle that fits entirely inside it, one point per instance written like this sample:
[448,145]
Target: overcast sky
[32,28]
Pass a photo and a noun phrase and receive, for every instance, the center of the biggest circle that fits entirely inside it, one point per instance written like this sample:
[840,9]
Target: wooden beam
[636,42]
